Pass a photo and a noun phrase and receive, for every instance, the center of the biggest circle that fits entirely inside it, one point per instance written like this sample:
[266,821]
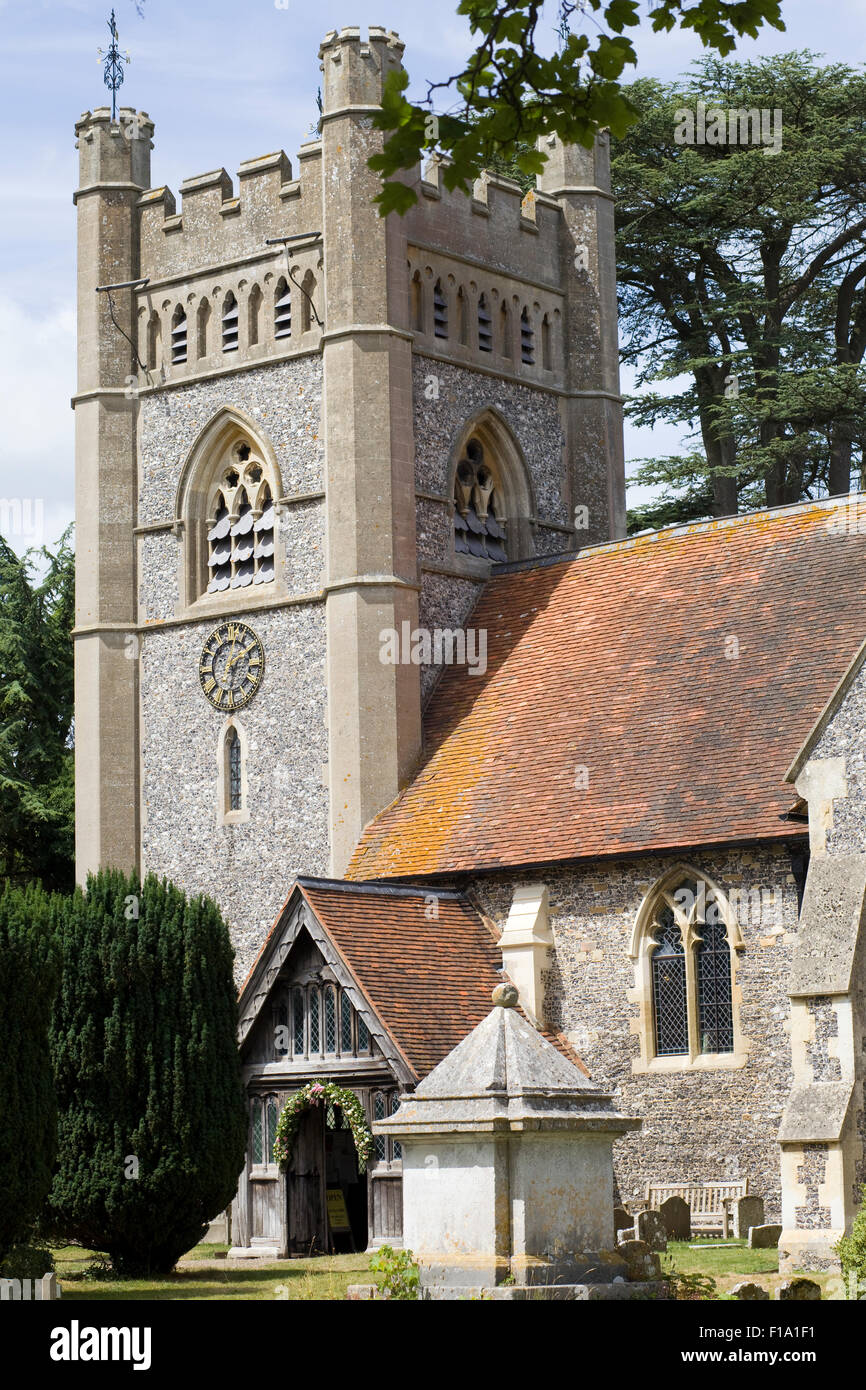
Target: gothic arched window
[684,946]
[241,524]
[479,526]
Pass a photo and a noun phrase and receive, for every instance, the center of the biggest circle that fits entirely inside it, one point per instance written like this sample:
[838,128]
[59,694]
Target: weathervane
[113,63]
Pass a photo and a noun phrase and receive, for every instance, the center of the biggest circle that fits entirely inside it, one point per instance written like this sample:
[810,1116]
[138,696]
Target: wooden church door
[305,1187]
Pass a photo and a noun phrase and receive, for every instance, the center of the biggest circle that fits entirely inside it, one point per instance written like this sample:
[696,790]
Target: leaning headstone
[753,1293]
[764,1237]
[799,1290]
[626,1234]
[642,1262]
[650,1227]
[748,1211]
[677,1217]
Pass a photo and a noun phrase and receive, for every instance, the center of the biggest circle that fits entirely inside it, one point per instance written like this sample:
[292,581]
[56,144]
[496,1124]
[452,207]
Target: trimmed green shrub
[28,1113]
[152,1117]
[852,1253]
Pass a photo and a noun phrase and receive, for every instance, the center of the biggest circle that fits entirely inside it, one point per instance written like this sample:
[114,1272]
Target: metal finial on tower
[113,63]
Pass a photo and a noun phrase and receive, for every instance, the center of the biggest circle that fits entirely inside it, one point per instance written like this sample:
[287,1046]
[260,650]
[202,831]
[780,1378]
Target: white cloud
[37,367]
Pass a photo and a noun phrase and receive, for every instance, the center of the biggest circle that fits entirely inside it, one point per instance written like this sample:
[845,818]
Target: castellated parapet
[357,358]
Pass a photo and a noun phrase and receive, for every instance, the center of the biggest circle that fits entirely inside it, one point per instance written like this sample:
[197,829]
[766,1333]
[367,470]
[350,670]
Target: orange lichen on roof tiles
[644,695]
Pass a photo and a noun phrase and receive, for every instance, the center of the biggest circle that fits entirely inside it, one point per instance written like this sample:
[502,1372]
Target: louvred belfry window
[178,336]
[283,311]
[440,311]
[485,326]
[479,528]
[241,532]
[231,318]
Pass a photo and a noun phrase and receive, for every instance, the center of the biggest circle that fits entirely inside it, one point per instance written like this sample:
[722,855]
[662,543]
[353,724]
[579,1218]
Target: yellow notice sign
[338,1217]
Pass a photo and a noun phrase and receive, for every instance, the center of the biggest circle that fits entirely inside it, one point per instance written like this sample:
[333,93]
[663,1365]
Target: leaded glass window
[396,1150]
[330,1021]
[314,1021]
[298,1021]
[233,754]
[380,1143]
[669,988]
[281,1031]
[271,1127]
[715,1011]
[257,1147]
[363,1036]
[345,1024]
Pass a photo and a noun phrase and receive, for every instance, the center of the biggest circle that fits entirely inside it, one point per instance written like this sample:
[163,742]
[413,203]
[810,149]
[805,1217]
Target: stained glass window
[669,989]
[715,1011]
[330,1021]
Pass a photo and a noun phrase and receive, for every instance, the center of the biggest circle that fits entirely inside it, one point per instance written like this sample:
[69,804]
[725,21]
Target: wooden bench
[710,1202]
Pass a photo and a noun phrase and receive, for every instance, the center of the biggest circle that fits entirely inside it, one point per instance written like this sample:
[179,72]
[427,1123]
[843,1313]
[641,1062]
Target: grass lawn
[733,1264]
[200,1276]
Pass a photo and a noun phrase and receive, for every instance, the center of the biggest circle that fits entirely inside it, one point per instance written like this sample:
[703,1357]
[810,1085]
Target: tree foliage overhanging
[510,92]
[36,713]
[151,1112]
[742,281]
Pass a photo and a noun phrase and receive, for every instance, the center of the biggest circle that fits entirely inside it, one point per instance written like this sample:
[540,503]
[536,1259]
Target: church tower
[302,430]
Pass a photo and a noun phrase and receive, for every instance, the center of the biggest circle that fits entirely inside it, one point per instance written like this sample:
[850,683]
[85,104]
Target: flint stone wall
[698,1125]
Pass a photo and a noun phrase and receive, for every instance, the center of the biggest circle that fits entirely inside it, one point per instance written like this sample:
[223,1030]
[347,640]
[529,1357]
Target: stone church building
[363,653]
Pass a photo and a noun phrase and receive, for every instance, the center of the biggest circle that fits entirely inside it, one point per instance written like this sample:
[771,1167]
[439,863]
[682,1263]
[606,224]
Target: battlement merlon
[113,154]
[354,69]
[217,227]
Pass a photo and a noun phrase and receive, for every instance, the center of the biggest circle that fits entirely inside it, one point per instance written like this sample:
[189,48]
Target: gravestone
[799,1291]
[764,1237]
[650,1228]
[642,1262]
[748,1211]
[753,1293]
[622,1219]
[677,1217]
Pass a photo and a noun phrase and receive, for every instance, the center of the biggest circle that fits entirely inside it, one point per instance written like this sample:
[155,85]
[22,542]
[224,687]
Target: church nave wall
[701,1121]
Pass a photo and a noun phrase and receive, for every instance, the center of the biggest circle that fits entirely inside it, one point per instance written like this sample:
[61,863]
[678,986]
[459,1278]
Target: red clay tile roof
[681,670]
[429,981]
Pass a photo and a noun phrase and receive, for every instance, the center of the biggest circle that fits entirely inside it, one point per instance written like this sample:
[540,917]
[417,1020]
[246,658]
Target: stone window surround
[199,477]
[225,815]
[252,284]
[643,1025]
[428,268]
[513,483]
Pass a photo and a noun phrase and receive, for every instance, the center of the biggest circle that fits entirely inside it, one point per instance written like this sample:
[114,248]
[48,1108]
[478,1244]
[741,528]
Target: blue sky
[224,81]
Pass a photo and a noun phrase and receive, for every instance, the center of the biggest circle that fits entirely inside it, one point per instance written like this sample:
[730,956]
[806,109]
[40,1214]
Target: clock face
[231,665]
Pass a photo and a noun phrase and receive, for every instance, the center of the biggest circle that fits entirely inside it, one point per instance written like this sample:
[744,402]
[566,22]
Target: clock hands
[243,652]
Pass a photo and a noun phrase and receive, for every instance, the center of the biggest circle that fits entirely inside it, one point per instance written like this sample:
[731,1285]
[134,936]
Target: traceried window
[240,528]
[479,526]
[688,948]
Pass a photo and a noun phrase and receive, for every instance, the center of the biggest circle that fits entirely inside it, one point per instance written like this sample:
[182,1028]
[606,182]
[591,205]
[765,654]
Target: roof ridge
[378,889]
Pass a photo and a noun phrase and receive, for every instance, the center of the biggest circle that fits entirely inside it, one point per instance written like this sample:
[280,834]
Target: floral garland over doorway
[325,1093]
